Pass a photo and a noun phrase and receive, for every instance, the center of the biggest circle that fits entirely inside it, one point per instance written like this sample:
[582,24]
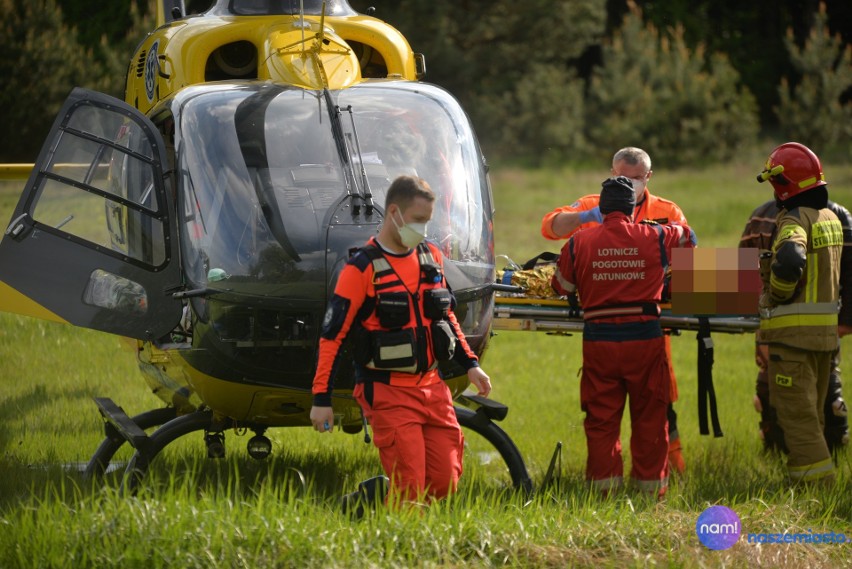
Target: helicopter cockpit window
[258,177]
[292,7]
[99,187]
[263,180]
[419,130]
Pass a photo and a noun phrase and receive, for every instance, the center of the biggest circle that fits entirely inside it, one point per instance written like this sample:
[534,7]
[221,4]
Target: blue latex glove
[593,214]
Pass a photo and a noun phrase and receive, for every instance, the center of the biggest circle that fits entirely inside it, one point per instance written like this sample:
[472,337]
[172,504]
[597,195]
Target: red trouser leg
[418,436]
[602,397]
[444,442]
[647,386]
[611,372]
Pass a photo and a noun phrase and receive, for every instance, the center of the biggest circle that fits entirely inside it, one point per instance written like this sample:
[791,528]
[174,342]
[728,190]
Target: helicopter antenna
[318,49]
[302,17]
[321,34]
[365,182]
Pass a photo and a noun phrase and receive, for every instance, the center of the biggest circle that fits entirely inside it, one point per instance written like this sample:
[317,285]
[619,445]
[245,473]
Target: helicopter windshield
[262,178]
[419,130]
[283,7]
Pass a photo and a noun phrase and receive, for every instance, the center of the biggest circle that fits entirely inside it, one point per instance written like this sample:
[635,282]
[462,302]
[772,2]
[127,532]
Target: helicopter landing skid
[479,420]
[116,426]
[120,428]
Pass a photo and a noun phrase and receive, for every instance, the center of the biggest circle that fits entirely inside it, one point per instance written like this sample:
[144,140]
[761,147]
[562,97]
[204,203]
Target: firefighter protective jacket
[760,231]
[353,310]
[649,207]
[799,305]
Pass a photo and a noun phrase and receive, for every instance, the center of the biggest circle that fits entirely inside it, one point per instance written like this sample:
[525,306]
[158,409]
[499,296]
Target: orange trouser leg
[418,436]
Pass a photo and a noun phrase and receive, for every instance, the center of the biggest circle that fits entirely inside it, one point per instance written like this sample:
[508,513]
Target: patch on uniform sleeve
[335,315]
[575,204]
[783,380]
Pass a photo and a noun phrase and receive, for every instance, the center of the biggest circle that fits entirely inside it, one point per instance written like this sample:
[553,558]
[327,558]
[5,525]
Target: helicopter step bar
[119,425]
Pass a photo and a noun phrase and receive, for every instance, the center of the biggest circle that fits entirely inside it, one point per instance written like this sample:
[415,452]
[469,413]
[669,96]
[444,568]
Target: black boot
[836,421]
[370,493]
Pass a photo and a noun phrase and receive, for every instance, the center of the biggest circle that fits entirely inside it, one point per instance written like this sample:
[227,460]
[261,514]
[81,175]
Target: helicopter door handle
[17,229]
[160,71]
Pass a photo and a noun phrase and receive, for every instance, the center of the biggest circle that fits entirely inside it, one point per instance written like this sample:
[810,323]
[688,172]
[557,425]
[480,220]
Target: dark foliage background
[543,80]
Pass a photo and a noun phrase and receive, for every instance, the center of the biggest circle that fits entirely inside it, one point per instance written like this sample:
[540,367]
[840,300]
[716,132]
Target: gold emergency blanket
[535,281]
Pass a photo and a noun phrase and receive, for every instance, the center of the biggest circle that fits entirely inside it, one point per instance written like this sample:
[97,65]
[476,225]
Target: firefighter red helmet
[792,168]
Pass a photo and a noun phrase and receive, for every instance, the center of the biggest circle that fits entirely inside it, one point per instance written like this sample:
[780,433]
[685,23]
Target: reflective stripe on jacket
[803,313]
[352,308]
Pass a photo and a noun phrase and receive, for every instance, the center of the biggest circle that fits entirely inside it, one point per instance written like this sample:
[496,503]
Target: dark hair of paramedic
[393,299]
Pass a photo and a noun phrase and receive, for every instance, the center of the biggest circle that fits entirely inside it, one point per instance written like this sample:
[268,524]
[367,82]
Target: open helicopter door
[92,241]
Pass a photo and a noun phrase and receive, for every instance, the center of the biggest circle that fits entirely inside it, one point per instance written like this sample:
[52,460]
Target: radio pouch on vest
[393,309]
[443,340]
[437,303]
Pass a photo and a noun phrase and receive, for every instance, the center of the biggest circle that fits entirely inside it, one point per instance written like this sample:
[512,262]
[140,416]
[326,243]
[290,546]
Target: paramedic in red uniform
[617,269]
[393,297]
[561,223]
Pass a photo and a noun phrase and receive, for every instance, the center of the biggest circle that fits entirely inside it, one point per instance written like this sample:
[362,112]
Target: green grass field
[283,512]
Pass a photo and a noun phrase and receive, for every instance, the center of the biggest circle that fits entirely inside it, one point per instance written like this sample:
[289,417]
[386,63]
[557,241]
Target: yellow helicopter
[208,215]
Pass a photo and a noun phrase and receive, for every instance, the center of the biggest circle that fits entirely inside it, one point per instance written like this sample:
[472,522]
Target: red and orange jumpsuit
[403,397]
[648,207]
[617,268]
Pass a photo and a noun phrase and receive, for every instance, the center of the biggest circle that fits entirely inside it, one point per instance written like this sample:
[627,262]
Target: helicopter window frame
[94,148]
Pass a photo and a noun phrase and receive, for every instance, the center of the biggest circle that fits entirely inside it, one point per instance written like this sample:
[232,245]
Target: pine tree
[680,104]
[513,66]
[816,109]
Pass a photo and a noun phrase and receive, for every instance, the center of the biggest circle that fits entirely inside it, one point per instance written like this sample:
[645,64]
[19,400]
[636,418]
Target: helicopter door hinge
[17,229]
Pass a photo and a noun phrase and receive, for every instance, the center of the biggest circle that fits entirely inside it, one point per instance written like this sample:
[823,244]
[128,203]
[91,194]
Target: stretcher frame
[522,313]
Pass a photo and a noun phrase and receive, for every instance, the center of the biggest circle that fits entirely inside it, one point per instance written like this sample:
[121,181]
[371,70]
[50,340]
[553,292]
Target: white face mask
[638,186]
[411,234]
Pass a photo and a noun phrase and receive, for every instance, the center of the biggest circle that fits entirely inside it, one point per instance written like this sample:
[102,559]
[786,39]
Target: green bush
[680,104]
[816,110]
[41,61]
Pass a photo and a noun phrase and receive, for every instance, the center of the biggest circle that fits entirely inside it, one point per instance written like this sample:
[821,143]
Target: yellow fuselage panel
[289,50]
[13,301]
[296,59]
[275,407]
[15,172]
[238,401]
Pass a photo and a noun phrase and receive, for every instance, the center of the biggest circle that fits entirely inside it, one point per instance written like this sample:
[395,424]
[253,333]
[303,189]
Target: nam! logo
[718,527]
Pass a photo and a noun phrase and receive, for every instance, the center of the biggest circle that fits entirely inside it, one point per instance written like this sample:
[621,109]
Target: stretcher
[514,310]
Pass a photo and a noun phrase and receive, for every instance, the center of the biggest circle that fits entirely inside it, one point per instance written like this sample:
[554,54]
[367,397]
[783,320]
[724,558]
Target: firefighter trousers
[798,383]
